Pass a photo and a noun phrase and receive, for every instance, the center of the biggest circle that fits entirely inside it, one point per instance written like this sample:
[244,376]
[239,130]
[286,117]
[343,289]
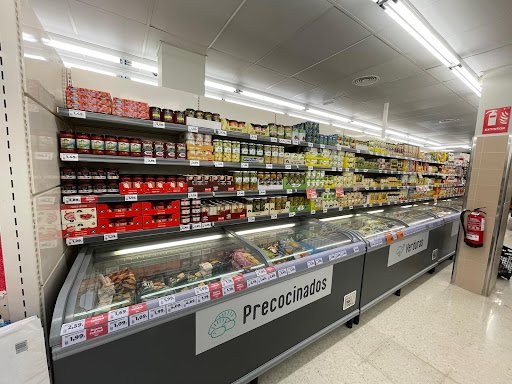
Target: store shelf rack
[204,226]
[100,119]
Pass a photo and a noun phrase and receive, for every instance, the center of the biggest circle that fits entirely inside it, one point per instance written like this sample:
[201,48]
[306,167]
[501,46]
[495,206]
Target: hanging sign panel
[496,120]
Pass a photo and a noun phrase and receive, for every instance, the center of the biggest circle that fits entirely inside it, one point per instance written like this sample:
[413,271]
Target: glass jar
[83,173]
[179,117]
[112,187]
[159,148]
[246,179]
[253,180]
[98,174]
[83,143]
[189,112]
[267,153]
[170,150]
[68,187]
[67,174]
[167,115]
[99,187]
[238,180]
[147,148]
[67,142]
[111,145]
[123,146]
[216,117]
[198,114]
[252,149]
[244,149]
[155,113]
[84,187]
[135,147]
[97,144]
[207,115]
[112,174]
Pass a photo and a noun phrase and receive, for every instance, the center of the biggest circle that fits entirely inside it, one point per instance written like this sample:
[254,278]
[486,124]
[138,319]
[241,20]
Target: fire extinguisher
[474,236]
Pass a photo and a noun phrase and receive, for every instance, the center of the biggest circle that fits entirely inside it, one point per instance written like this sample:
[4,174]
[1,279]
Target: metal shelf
[159,231]
[120,122]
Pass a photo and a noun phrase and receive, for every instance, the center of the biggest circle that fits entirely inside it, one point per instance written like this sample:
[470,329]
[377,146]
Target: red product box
[80,229]
[147,209]
[71,213]
[234,216]
[134,114]
[88,92]
[90,108]
[80,99]
[118,102]
[117,210]
[168,188]
[104,225]
[130,191]
[149,223]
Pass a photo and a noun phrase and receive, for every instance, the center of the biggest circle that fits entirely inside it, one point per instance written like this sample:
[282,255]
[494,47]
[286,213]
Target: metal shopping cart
[505,269]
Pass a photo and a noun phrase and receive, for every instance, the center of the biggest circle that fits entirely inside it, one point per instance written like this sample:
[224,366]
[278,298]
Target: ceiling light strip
[312,118]
[252,106]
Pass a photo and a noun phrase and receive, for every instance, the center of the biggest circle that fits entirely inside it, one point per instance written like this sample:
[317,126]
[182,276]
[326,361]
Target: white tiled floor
[434,333]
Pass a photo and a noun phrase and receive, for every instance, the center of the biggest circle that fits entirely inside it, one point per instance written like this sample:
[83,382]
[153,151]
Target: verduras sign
[407,247]
[220,323]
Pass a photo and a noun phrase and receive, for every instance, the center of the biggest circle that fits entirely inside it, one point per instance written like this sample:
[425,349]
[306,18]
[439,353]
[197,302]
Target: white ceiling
[311,50]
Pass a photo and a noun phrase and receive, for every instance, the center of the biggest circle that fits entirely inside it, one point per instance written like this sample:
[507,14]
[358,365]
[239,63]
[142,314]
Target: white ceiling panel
[107,29]
[420,4]
[316,96]
[327,35]
[259,78]
[155,36]
[54,16]
[489,60]
[367,12]
[446,111]
[137,10]
[365,54]
[198,21]
[290,87]
[470,97]
[442,73]
[350,108]
[255,31]
[223,66]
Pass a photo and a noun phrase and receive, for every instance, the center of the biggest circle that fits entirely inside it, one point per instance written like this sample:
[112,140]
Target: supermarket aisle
[434,333]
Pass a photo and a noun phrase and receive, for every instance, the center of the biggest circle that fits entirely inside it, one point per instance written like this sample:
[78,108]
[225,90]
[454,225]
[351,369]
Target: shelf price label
[288,166]
[109,236]
[206,225]
[157,312]
[252,282]
[244,165]
[218,164]
[194,163]
[313,212]
[273,216]
[319,261]
[74,240]
[158,124]
[75,338]
[149,160]
[228,290]
[310,167]
[196,226]
[291,214]
[221,132]
[130,198]
[139,318]
[325,210]
[311,263]
[118,314]
[253,137]
[240,193]
[202,289]
[262,192]
[192,195]
[268,166]
[73,327]
[166,300]
[295,142]
[72,200]
[273,139]
[291,270]
[76,113]
[184,227]
[282,272]
[310,145]
[69,157]
[192,128]
[251,219]
[322,146]
[289,191]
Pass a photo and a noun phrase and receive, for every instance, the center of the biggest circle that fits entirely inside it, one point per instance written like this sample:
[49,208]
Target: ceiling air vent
[446,121]
[365,81]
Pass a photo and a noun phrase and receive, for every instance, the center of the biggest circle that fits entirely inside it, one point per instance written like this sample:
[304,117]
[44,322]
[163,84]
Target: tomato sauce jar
[98,144]
[126,181]
[155,113]
[67,142]
[83,174]
[166,115]
[111,145]
[83,143]
[99,187]
[112,187]
[67,174]
[160,180]
[123,146]
[135,147]
[84,187]
[137,181]
[68,188]
[147,148]
[159,148]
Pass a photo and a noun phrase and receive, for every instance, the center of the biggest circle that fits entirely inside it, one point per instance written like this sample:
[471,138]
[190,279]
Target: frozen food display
[366,225]
[452,203]
[408,216]
[439,211]
[120,276]
[282,243]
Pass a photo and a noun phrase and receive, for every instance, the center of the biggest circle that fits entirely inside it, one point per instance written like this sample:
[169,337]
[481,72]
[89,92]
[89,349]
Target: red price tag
[311,193]
[339,192]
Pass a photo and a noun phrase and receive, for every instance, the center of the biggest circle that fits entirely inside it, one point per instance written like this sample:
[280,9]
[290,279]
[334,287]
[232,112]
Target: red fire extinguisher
[474,236]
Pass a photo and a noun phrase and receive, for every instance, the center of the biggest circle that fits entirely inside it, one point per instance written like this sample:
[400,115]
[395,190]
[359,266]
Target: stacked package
[130,108]
[88,100]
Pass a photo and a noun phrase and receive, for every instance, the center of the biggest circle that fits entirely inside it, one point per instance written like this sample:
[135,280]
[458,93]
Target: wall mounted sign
[496,120]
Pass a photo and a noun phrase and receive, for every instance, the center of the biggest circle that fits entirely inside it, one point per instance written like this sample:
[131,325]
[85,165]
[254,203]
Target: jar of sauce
[135,147]
[83,143]
[123,146]
[99,187]
[159,181]
[112,174]
[179,117]
[98,144]
[83,174]
[126,181]
[198,114]
[111,145]
[154,113]
[112,187]
[98,174]
[67,142]
[84,187]
[67,174]
[167,115]
[159,148]
[147,148]
[68,187]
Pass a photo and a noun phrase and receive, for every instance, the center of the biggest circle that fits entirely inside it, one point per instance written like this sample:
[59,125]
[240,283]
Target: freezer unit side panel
[172,344]
[445,237]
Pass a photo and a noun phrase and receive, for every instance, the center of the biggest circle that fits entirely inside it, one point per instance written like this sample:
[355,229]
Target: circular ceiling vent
[446,121]
[365,81]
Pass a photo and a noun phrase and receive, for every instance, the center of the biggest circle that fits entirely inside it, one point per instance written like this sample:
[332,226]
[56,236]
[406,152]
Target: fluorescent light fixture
[417,141]
[423,31]
[210,96]
[406,206]
[36,57]
[257,96]
[145,67]
[154,247]
[348,127]
[253,106]
[84,51]
[70,65]
[143,81]
[328,115]
[222,87]
[366,125]
[265,229]
[373,134]
[337,218]
[29,37]
[465,76]
[309,118]
[396,133]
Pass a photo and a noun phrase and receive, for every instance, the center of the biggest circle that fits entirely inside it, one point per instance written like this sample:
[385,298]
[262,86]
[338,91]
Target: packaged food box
[80,228]
[72,213]
[116,210]
[120,224]
[88,92]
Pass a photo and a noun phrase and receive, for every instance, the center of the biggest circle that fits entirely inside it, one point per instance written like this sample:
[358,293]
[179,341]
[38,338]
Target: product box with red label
[117,210]
[155,188]
[120,224]
[87,92]
[123,190]
[161,221]
[71,213]
[80,228]
[150,208]
[130,108]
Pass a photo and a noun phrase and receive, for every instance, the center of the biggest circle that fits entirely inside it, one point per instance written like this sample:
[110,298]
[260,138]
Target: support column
[489,184]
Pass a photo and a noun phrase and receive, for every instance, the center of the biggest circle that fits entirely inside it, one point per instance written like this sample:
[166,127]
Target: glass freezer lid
[122,275]
[367,225]
[452,203]
[294,240]
[408,216]
[437,210]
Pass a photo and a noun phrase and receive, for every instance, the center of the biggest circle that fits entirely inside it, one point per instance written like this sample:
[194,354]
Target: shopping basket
[505,269]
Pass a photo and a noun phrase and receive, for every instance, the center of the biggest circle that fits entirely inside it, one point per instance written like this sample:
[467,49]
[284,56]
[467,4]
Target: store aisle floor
[434,333]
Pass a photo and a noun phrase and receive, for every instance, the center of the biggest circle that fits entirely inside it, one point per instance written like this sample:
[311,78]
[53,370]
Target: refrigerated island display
[199,299]
[399,249]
